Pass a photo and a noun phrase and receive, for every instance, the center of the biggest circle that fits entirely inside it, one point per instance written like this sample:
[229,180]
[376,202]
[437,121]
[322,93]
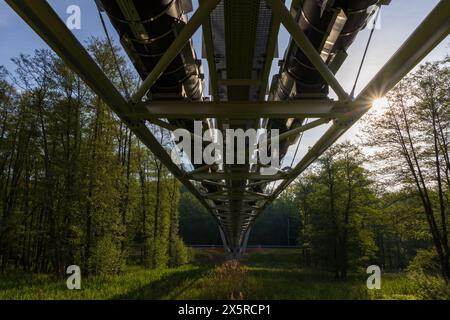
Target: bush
[425,271]
[160,253]
[426,262]
[106,258]
[229,282]
[431,287]
[180,254]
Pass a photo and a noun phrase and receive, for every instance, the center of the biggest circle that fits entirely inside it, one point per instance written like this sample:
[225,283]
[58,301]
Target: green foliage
[228,281]
[425,271]
[410,143]
[134,283]
[278,224]
[197,226]
[265,274]
[425,262]
[160,253]
[275,274]
[180,254]
[336,201]
[76,187]
[430,287]
[400,229]
[106,258]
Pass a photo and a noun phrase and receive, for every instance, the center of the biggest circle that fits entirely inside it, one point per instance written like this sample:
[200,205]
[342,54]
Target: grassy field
[264,274]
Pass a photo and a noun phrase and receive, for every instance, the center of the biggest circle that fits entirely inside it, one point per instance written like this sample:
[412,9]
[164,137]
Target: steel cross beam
[431,32]
[46,23]
[41,17]
[234,176]
[296,131]
[244,110]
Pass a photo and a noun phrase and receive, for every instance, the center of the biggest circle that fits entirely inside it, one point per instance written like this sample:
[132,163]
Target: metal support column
[245,242]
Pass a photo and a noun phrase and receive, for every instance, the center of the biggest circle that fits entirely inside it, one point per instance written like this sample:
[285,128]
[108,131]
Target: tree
[400,228]
[76,187]
[278,224]
[197,225]
[411,139]
[336,201]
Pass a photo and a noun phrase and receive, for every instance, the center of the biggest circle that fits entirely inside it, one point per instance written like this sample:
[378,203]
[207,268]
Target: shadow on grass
[284,258]
[208,256]
[17,280]
[296,284]
[169,286]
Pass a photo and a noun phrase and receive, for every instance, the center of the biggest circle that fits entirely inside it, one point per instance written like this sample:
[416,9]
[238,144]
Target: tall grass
[264,274]
[134,283]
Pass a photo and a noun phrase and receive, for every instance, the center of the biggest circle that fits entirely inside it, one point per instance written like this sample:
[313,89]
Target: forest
[76,187]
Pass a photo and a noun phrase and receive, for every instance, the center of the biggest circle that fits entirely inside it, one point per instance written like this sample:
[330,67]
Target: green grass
[135,283]
[273,283]
[274,274]
[266,274]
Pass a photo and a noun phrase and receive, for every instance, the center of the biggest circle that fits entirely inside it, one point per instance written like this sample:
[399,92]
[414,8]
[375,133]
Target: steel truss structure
[233,196]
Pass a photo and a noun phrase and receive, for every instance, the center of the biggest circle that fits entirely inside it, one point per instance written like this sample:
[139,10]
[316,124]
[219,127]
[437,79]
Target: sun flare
[381,103]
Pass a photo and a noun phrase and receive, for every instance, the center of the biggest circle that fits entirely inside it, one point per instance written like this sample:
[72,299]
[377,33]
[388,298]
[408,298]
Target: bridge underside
[239,44]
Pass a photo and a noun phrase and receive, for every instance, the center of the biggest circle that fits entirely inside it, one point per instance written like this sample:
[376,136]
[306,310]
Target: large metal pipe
[330,27]
[431,32]
[147,30]
[156,36]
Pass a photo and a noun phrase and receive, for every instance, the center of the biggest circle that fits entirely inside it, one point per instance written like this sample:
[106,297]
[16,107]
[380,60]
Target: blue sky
[398,20]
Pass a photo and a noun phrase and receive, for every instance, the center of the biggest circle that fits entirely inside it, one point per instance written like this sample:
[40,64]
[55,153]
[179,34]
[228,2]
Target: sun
[381,103]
